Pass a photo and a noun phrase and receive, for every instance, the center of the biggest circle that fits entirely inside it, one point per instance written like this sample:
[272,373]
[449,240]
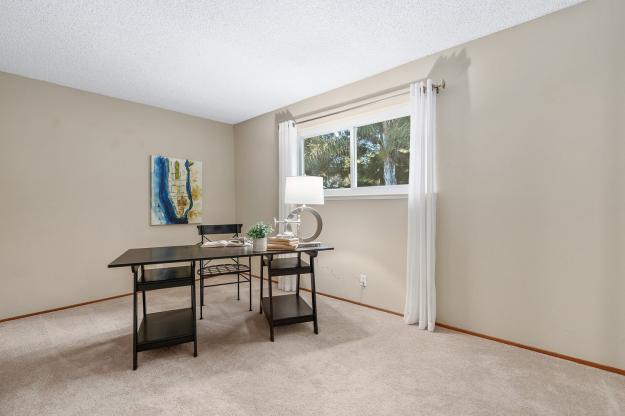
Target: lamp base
[293,216]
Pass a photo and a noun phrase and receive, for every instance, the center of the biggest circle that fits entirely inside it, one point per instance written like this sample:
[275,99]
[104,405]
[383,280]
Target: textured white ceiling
[233,60]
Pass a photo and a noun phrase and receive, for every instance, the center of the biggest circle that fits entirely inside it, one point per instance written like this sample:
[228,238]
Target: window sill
[371,192]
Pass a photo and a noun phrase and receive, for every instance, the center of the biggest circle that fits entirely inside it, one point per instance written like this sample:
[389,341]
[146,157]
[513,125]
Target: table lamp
[303,191]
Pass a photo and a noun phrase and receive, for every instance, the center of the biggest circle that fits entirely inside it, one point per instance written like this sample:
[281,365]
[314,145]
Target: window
[365,156]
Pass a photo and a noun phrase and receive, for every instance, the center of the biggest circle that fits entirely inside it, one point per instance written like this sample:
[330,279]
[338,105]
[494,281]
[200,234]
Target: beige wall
[74,175]
[530,226]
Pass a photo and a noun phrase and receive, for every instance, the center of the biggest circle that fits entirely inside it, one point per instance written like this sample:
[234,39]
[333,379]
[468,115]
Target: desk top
[174,254]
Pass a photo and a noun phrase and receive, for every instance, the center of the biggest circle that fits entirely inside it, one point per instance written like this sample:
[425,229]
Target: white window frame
[352,123]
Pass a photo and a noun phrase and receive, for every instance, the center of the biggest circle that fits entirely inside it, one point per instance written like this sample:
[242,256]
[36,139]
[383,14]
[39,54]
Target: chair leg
[201,290]
[261,285]
[249,275]
[238,286]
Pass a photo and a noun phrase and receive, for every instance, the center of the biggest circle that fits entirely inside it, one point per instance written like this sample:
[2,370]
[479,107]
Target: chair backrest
[233,229]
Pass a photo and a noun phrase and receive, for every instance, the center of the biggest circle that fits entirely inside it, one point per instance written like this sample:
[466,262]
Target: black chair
[209,270]
[290,308]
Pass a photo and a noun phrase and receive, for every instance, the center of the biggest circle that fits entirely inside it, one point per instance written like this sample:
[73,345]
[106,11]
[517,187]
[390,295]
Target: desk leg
[134,319]
[261,285]
[144,308]
[194,309]
[297,285]
[313,293]
[269,285]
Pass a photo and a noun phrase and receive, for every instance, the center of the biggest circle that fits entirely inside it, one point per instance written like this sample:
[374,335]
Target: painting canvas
[176,190]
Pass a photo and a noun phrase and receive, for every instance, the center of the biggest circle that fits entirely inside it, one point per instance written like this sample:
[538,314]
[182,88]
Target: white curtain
[288,165]
[420,288]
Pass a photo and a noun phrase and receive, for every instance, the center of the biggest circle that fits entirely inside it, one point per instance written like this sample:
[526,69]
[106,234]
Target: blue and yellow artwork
[176,191]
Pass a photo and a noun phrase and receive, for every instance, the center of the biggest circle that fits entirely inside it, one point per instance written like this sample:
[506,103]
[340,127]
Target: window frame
[352,123]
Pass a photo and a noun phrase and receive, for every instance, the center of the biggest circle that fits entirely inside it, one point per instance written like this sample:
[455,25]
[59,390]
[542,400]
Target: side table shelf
[288,309]
[162,329]
[154,279]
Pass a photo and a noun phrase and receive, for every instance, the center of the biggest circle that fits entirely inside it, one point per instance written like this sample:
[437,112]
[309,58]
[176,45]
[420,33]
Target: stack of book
[282,243]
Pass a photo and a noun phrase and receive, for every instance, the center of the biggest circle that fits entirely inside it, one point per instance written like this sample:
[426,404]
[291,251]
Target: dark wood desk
[178,254]
[178,326]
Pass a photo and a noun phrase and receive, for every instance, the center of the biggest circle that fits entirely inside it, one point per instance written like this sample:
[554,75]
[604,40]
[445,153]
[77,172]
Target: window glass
[383,152]
[328,156]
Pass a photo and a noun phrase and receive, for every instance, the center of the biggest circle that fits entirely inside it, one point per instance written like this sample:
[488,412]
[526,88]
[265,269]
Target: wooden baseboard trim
[535,349]
[441,324]
[12,318]
[357,303]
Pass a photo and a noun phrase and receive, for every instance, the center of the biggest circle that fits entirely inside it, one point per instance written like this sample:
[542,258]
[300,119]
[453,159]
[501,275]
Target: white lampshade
[303,190]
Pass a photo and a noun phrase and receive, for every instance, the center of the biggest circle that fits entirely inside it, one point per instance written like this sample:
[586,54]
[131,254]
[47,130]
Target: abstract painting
[176,191]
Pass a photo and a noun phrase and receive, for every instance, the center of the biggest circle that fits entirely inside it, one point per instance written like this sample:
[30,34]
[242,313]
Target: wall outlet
[363,280]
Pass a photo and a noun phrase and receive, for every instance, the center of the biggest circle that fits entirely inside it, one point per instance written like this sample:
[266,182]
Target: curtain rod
[435,86]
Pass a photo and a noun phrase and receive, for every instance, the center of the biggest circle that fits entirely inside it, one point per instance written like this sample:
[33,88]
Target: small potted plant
[258,233]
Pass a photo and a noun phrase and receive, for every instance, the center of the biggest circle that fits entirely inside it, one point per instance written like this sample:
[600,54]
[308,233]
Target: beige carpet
[363,362]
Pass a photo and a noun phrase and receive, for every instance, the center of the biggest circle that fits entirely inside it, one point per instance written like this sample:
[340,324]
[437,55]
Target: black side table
[162,329]
[292,308]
